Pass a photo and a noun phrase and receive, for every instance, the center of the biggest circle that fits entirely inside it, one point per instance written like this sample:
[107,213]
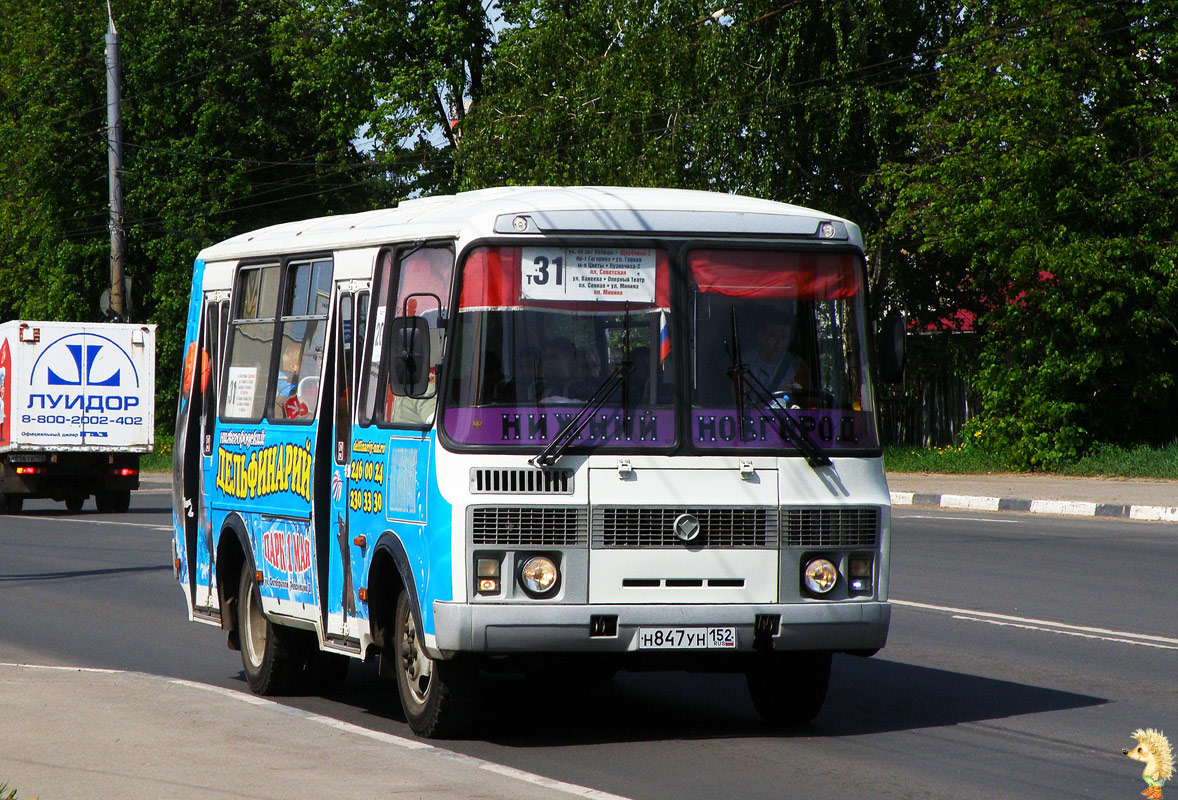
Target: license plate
[686,638]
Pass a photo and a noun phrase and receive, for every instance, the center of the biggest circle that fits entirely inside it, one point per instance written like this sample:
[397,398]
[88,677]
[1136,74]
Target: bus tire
[789,688]
[274,663]
[435,695]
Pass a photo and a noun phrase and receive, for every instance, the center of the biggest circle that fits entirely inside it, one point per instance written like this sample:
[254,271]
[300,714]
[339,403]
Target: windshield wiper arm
[548,456]
[788,426]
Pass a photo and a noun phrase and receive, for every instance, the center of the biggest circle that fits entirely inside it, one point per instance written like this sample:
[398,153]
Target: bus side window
[215,323]
[375,343]
[345,345]
[423,291]
[251,334]
[302,336]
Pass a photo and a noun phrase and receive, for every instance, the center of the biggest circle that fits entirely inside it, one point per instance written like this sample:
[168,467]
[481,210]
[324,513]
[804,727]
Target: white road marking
[87,520]
[1049,626]
[1010,520]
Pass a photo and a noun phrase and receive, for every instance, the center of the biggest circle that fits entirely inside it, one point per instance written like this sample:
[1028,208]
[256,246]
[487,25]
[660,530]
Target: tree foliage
[223,131]
[796,101]
[1041,196]
[1017,160]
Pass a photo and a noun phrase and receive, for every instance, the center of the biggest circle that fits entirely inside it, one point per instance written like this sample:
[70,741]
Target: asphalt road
[1024,651]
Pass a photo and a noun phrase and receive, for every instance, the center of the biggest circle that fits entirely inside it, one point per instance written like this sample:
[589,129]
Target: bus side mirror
[409,373]
[892,348]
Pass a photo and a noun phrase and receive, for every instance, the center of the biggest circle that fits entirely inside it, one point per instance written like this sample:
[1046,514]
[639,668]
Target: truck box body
[77,408]
[77,387]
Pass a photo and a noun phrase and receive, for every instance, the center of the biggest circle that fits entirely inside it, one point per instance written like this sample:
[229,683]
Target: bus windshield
[539,332]
[784,329]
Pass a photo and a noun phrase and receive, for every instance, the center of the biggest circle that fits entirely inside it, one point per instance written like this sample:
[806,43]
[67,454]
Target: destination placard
[591,274]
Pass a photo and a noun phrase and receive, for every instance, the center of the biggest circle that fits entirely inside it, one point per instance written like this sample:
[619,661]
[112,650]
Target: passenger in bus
[639,379]
[558,357]
[525,386]
[586,374]
[286,388]
[770,360]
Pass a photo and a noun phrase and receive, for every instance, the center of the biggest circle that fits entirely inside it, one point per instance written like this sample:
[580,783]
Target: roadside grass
[158,461]
[1104,460]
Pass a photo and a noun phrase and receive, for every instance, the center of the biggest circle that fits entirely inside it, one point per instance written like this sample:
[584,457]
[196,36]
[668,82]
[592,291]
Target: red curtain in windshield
[491,279]
[767,274]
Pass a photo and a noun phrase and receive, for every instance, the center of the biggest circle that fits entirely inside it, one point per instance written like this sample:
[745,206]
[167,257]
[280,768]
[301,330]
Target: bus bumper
[518,628]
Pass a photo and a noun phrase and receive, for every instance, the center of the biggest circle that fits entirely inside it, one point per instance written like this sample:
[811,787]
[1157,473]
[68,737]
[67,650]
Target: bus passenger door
[216,321]
[346,549]
[201,370]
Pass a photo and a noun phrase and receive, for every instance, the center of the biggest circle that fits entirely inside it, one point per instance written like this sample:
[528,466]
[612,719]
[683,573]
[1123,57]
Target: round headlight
[538,575]
[820,576]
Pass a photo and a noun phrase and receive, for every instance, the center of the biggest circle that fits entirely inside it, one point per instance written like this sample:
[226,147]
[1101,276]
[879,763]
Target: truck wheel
[115,501]
[273,660]
[10,503]
[789,688]
[74,504]
[435,695]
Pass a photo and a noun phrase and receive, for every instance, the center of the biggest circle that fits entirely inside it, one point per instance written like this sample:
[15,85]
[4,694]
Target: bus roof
[544,209]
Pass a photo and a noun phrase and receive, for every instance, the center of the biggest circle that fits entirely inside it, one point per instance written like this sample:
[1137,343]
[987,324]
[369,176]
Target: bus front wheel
[273,662]
[789,688]
[435,695]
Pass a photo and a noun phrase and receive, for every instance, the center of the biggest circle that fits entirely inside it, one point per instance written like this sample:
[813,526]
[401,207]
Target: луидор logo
[84,360]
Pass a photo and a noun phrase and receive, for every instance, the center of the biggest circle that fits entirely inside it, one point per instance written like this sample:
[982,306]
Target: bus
[575,429]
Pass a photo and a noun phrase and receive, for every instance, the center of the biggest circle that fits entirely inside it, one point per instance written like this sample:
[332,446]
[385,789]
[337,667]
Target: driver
[770,360]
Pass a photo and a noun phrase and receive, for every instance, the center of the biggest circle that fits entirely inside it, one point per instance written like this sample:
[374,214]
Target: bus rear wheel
[789,688]
[435,695]
[271,656]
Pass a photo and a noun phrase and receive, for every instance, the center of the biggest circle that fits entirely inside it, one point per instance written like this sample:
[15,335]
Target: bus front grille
[642,527]
[830,527]
[528,526]
[490,480]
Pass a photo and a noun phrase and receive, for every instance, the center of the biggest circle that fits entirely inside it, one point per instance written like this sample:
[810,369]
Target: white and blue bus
[586,428]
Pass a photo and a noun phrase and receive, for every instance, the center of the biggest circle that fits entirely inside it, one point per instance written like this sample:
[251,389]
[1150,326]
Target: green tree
[795,101]
[1041,196]
[409,66]
[226,128]
[52,206]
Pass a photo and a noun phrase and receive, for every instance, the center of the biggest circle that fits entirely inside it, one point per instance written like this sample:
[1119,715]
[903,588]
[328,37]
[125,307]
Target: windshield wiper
[548,456]
[788,427]
[619,374]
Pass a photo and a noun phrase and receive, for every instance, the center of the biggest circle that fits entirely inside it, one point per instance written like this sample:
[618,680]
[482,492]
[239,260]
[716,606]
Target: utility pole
[114,137]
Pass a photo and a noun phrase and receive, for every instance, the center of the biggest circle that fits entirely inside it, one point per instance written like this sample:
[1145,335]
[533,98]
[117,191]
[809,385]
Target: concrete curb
[1077,508]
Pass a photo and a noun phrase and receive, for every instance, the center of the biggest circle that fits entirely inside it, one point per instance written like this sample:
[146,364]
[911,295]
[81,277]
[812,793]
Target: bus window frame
[677,249]
[671,245]
[290,265]
[398,252]
[220,310]
[277,320]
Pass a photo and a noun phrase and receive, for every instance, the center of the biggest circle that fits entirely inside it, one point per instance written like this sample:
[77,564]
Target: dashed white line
[1048,626]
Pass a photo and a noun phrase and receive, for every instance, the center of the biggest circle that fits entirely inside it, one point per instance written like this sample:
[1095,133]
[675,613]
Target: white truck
[77,408]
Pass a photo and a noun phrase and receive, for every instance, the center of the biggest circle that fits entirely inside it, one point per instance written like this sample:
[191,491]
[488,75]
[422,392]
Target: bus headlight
[538,576]
[820,575]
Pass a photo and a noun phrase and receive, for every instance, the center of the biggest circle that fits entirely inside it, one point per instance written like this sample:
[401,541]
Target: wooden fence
[930,407]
